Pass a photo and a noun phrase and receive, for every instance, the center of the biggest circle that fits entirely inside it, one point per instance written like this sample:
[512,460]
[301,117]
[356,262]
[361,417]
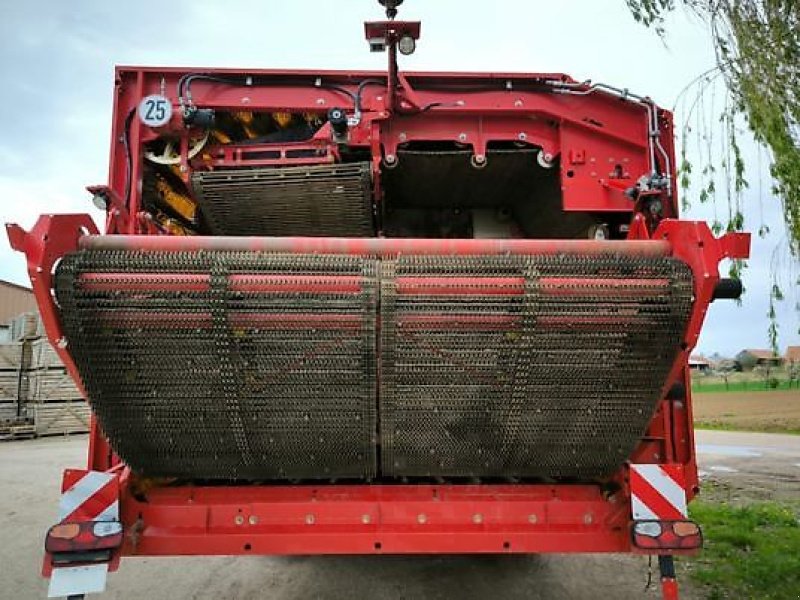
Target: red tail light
[86,536]
[666,535]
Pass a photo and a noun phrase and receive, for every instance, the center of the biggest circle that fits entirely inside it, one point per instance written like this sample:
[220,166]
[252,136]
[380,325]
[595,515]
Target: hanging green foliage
[757,45]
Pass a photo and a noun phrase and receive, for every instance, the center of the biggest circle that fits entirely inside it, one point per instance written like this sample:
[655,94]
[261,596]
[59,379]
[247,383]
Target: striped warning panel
[658,492]
[89,496]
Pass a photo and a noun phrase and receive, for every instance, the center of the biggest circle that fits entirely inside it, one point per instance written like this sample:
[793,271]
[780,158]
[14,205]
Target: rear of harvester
[378,312]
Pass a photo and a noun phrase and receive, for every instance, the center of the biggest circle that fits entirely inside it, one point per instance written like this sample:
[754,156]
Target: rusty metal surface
[483,366]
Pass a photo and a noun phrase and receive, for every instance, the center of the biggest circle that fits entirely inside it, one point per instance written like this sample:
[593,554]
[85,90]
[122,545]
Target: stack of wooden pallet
[53,399]
[37,395]
[10,379]
[13,389]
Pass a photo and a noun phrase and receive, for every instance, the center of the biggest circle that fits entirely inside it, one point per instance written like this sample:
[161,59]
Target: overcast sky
[57,71]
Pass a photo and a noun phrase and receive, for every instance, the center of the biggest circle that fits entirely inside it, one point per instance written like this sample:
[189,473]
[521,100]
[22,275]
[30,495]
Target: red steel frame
[591,134]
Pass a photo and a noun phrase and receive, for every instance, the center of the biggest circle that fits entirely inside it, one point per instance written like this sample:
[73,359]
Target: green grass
[700,386]
[749,552]
[765,428]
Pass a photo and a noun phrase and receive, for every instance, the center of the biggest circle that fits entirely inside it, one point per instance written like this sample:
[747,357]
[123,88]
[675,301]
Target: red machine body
[611,157]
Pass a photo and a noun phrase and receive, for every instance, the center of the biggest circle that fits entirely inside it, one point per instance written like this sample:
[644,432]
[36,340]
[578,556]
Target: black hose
[344,91]
[126,132]
[360,90]
[185,82]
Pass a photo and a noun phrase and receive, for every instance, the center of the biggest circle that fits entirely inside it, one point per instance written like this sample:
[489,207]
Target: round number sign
[155,110]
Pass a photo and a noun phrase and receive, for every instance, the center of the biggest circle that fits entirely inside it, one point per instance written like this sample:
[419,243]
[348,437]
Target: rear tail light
[666,535]
[87,536]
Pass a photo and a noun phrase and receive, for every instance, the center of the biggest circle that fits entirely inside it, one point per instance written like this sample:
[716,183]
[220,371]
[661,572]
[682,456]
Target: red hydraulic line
[383,247]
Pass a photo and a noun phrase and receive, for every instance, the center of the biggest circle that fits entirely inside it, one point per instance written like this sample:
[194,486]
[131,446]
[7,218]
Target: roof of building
[15,286]
[697,359]
[792,354]
[760,354]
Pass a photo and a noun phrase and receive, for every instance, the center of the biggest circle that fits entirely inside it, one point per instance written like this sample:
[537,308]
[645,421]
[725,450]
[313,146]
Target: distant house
[699,364]
[750,358]
[792,356]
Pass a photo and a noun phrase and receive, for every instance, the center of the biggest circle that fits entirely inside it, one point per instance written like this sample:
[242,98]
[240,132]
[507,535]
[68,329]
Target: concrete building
[14,300]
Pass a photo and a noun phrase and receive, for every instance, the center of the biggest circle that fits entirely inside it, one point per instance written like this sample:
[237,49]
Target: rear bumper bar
[377,519]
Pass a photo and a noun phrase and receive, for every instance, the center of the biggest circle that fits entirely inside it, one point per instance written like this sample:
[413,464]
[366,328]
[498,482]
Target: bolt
[532,519]
[480,158]
[365,519]
[518,103]
[62,342]
[253,520]
[462,137]
[587,518]
[402,137]
[391,159]
[238,519]
[522,136]
[310,519]
[320,101]
[477,518]
[422,519]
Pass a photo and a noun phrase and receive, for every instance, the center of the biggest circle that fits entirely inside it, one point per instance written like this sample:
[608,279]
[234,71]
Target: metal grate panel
[319,200]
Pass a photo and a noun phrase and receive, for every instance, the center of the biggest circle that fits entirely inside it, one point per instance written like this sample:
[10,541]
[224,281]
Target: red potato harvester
[378,312]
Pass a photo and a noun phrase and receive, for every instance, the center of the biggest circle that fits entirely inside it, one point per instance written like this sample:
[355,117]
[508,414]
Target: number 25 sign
[155,110]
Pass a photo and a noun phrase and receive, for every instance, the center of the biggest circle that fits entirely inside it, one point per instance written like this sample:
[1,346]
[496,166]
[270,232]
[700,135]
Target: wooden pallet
[43,355]
[12,385]
[60,418]
[11,356]
[51,385]
[8,412]
[27,326]
[17,431]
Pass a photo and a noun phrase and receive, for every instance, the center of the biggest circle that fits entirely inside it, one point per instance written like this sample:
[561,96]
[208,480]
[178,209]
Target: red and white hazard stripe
[658,492]
[89,496]
[85,496]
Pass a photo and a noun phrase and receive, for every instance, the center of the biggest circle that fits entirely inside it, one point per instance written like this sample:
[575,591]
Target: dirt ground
[30,473]
[768,411]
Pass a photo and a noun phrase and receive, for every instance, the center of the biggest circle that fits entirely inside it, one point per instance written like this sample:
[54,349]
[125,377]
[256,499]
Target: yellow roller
[180,203]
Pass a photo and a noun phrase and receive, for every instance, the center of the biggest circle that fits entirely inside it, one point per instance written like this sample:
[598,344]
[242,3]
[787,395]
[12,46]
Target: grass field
[718,385]
[750,551]
[775,411]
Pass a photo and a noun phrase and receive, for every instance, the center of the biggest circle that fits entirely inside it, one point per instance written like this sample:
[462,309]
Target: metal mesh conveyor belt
[525,366]
[222,364]
[319,200]
[218,365]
